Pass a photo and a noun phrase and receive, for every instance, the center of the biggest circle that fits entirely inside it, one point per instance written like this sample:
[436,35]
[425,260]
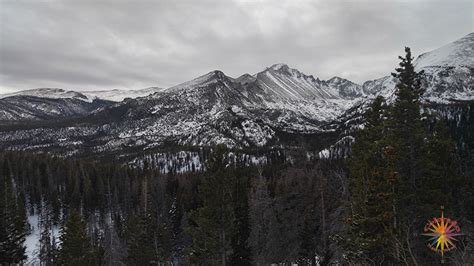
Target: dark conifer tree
[141,240]
[141,231]
[212,225]
[406,133]
[371,196]
[12,220]
[241,252]
[262,218]
[46,250]
[76,247]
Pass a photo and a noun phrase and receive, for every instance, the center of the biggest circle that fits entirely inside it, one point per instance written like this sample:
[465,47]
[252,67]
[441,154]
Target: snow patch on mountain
[120,95]
[51,93]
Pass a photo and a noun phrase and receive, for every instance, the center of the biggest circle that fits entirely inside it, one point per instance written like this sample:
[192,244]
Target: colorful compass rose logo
[442,232]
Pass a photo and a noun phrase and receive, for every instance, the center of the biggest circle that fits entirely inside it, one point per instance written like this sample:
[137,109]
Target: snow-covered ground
[32,240]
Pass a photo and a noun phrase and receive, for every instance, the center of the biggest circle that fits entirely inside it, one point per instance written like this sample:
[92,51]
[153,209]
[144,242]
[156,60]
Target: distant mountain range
[271,109]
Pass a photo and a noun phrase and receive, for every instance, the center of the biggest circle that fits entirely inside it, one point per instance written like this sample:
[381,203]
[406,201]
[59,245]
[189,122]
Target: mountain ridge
[270,109]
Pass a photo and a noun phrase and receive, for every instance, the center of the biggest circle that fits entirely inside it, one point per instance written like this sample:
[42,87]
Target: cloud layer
[104,44]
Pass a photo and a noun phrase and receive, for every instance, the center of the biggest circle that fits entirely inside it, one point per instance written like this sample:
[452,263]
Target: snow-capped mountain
[448,74]
[280,87]
[459,53]
[49,93]
[120,95]
[88,96]
[52,103]
[250,111]
[276,107]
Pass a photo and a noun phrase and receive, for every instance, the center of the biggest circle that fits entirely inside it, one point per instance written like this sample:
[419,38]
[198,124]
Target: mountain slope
[24,107]
[279,107]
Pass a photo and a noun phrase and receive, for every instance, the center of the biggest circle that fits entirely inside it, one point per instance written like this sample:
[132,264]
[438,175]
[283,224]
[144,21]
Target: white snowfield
[51,93]
[87,96]
[458,53]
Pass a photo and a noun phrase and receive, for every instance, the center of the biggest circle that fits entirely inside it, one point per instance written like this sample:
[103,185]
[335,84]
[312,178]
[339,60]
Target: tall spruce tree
[47,252]
[76,247]
[406,132]
[407,135]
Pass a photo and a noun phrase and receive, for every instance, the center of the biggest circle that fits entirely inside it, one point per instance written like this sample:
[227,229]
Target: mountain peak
[217,74]
[280,67]
[209,78]
[457,53]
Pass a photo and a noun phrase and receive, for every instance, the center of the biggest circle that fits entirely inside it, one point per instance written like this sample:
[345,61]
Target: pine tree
[406,132]
[114,250]
[12,220]
[241,253]
[213,223]
[76,248]
[262,218]
[141,240]
[141,232]
[406,135]
[46,249]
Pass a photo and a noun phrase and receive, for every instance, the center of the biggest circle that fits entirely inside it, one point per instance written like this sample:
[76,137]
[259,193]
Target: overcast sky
[99,44]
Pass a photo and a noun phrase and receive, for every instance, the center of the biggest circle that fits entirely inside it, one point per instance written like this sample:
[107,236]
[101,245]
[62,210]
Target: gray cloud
[102,44]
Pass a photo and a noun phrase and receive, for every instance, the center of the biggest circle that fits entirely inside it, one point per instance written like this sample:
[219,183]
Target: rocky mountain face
[279,107]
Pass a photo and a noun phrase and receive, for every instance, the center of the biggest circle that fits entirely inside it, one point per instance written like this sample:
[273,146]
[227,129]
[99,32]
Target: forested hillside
[270,213]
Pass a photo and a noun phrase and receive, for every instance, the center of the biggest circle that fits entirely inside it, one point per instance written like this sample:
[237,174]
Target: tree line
[111,214]
[404,169]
